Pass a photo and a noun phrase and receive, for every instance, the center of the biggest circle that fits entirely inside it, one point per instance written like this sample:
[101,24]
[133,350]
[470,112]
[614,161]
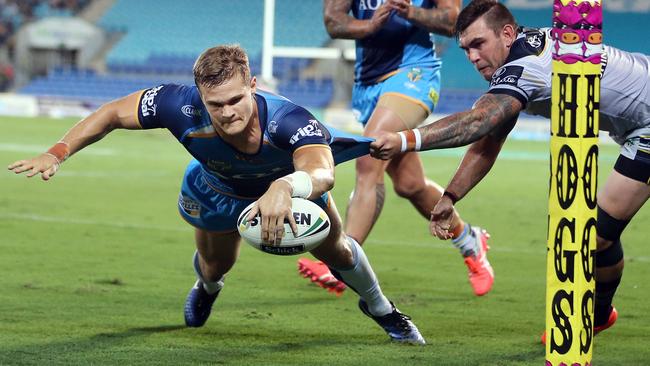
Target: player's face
[230,104]
[486,50]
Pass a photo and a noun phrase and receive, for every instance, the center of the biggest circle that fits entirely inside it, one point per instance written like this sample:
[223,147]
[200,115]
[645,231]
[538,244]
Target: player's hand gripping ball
[313,227]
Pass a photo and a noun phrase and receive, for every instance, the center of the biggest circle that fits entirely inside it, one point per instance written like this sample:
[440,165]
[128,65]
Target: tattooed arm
[440,20]
[477,162]
[340,24]
[489,112]
[459,129]
[479,159]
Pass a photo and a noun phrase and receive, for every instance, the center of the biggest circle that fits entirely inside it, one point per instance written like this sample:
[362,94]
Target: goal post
[571,242]
[270,50]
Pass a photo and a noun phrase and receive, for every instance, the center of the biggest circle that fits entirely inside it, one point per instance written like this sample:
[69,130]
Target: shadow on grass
[183,345]
[77,349]
[137,331]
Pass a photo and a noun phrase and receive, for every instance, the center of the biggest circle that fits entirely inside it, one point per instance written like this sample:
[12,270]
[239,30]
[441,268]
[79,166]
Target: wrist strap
[451,196]
[300,183]
[60,150]
[411,140]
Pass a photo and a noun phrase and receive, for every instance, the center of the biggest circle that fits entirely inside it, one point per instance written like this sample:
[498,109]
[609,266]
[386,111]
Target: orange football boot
[613,315]
[318,273]
[481,275]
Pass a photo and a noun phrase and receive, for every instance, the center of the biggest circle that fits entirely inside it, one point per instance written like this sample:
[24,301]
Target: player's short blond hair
[219,64]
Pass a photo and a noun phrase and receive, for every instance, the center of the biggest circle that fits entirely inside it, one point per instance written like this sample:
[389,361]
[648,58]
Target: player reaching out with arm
[111,116]
[517,62]
[486,126]
[248,146]
[397,82]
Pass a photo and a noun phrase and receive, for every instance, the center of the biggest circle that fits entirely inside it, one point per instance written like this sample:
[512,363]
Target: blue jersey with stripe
[285,125]
[398,44]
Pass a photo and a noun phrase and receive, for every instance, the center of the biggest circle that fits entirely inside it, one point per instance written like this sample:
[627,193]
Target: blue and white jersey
[286,128]
[398,44]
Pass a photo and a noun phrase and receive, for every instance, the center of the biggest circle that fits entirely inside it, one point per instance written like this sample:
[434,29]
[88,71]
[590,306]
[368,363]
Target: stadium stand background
[154,41]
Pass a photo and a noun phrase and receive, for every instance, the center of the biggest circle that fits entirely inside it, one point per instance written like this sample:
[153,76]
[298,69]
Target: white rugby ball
[313,227]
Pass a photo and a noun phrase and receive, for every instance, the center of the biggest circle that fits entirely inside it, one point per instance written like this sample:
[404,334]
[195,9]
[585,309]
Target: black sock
[604,294]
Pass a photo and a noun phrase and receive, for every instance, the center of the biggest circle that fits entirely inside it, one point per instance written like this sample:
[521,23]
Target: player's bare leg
[369,193]
[409,182]
[618,201]
[365,203]
[216,254]
[396,113]
[348,262]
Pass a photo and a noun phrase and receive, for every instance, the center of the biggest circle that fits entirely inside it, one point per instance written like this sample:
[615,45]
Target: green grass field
[95,266]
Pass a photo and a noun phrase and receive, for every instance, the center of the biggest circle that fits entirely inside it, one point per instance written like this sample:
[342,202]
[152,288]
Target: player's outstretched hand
[45,164]
[386,146]
[441,217]
[401,7]
[274,208]
[379,18]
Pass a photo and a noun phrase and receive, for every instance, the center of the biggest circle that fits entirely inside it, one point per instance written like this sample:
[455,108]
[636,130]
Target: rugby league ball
[313,227]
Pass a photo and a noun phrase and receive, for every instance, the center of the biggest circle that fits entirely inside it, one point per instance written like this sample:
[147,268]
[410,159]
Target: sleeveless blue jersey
[398,44]
[285,126]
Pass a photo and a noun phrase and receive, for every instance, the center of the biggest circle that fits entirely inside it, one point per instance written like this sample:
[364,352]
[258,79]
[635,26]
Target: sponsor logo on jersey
[218,165]
[414,74]
[258,175]
[434,96]
[409,85]
[191,207]
[534,40]
[249,159]
[507,75]
[312,129]
[273,127]
[191,111]
[148,106]
[370,4]
[357,114]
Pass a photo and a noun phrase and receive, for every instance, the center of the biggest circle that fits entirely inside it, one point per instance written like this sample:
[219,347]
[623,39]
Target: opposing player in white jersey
[517,62]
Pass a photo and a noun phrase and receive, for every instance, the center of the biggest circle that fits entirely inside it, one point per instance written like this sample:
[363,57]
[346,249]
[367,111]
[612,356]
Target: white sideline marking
[105,174]
[493,248]
[510,155]
[76,221]
[431,245]
[37,149]
[101,174]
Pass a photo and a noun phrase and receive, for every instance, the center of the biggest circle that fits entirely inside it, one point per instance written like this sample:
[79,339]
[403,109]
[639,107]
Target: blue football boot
[198,305]
[399,326]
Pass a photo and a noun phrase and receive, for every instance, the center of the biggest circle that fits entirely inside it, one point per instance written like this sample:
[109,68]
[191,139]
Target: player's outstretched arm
[318,162]
[490,113]
[440,20]
[476,163]
[313,176]
[119,113]
[340,24]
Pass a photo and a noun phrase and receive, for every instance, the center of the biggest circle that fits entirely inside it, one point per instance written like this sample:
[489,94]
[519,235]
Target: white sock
[361,278]
[210,287]
[466,242]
